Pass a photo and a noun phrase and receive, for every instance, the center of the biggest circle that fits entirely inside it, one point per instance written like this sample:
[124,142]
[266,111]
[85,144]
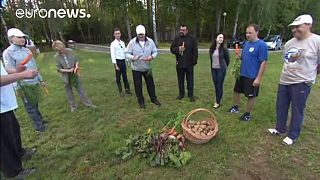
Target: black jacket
[224,58]
[190,54]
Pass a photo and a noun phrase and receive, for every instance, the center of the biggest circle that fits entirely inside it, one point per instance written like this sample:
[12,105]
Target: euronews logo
[52,13]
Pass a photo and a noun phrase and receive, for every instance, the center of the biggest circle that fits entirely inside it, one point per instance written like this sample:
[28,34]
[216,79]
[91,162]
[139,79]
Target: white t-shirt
[303,57]
[8,97]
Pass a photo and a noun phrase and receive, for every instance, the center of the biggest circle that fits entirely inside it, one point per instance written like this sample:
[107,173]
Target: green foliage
[200,15]
[158,148]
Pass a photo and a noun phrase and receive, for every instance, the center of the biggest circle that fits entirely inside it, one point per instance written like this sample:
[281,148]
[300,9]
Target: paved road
[106,49]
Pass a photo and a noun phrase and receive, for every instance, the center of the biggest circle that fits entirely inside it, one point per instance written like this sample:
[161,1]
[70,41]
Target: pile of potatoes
[202,128]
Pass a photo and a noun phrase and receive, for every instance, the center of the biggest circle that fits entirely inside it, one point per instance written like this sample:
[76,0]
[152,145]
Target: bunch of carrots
[236,66]
[24,62]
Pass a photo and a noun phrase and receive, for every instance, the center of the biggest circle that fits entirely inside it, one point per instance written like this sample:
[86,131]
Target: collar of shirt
[14,47]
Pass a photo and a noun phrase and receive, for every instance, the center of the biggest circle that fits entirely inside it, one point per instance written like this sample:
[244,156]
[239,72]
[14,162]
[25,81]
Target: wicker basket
[196,138]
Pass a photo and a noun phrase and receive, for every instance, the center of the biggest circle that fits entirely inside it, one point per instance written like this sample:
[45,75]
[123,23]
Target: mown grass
[81,145]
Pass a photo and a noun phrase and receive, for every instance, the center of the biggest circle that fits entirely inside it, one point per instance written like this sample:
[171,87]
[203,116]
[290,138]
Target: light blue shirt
[14,55]
[135,49]
[8,97]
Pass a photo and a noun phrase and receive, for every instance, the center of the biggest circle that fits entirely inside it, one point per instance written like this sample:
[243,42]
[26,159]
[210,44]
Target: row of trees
[160,17]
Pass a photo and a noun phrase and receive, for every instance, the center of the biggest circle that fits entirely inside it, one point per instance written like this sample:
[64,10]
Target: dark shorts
[244,85]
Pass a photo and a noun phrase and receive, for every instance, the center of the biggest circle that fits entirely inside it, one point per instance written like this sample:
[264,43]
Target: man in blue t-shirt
[254,58]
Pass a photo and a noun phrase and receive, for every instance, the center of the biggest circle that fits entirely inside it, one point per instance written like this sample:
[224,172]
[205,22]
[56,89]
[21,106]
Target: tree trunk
[269,30]
[218,21]
[236,23]
[128,24]
[154,23]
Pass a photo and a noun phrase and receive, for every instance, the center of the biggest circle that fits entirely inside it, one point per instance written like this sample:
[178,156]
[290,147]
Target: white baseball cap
[303,19]
[15,32]
[140,29]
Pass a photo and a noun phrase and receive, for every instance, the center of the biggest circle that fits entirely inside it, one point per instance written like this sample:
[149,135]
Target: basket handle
[186,118]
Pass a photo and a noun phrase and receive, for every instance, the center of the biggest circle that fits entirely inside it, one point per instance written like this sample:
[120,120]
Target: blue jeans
[218,76]
[297,95]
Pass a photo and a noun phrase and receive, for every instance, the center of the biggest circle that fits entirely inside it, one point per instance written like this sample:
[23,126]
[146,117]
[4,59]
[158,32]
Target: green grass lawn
[81,145]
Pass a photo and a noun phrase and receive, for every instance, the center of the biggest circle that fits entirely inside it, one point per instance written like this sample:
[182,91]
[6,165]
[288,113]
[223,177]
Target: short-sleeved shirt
[67,61]
[8,97]
[253,54]
[303,68]
[14,55]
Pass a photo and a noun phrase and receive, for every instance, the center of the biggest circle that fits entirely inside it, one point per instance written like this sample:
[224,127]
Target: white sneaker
[273,131]
[287,141]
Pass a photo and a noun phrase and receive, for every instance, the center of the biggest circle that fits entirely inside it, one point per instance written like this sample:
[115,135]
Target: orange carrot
[77,69]
[46,91]
[25,61]
[237,50]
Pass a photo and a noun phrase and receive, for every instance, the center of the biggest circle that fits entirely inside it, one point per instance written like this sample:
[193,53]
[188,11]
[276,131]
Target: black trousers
[181,74]
[137,80]
[11,148]
[122,72]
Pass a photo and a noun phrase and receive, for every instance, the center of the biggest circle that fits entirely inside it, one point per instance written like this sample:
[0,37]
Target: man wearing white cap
[302,59]
[29,89]
[141,51]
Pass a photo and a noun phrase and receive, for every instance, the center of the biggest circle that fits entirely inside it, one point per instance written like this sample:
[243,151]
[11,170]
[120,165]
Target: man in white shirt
[299,72]
[12,152]
[118,57]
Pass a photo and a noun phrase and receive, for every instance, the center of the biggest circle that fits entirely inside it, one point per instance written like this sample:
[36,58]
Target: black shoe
[23,173]
[41,130]
[156,102]
[28,153]
[180,97]
[142,106]
[246,117]
[128,92]
[192,99]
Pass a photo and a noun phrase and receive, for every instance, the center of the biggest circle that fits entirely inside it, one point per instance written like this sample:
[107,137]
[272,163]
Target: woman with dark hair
[219,58]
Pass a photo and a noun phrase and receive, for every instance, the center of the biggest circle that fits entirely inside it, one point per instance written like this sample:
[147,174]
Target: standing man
[12,152]
[302,64]
[253,58]
[29,89]
[118,57]
[141,51]
[186,50]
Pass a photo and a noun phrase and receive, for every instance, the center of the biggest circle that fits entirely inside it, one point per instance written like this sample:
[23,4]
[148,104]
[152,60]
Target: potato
[192,122]
[204,122]
[203,126]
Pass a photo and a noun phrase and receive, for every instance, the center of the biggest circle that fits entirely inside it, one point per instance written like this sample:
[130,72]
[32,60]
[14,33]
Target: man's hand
[149,58]
[20,68]
[71,70]
[117,67]
[29,74]
[135,58]
[256,82]
[182,48]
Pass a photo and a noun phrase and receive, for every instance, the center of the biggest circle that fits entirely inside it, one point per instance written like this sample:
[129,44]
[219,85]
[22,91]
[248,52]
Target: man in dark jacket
[186,50]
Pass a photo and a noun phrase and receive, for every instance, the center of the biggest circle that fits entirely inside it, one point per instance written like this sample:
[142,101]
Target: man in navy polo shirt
[253,58]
